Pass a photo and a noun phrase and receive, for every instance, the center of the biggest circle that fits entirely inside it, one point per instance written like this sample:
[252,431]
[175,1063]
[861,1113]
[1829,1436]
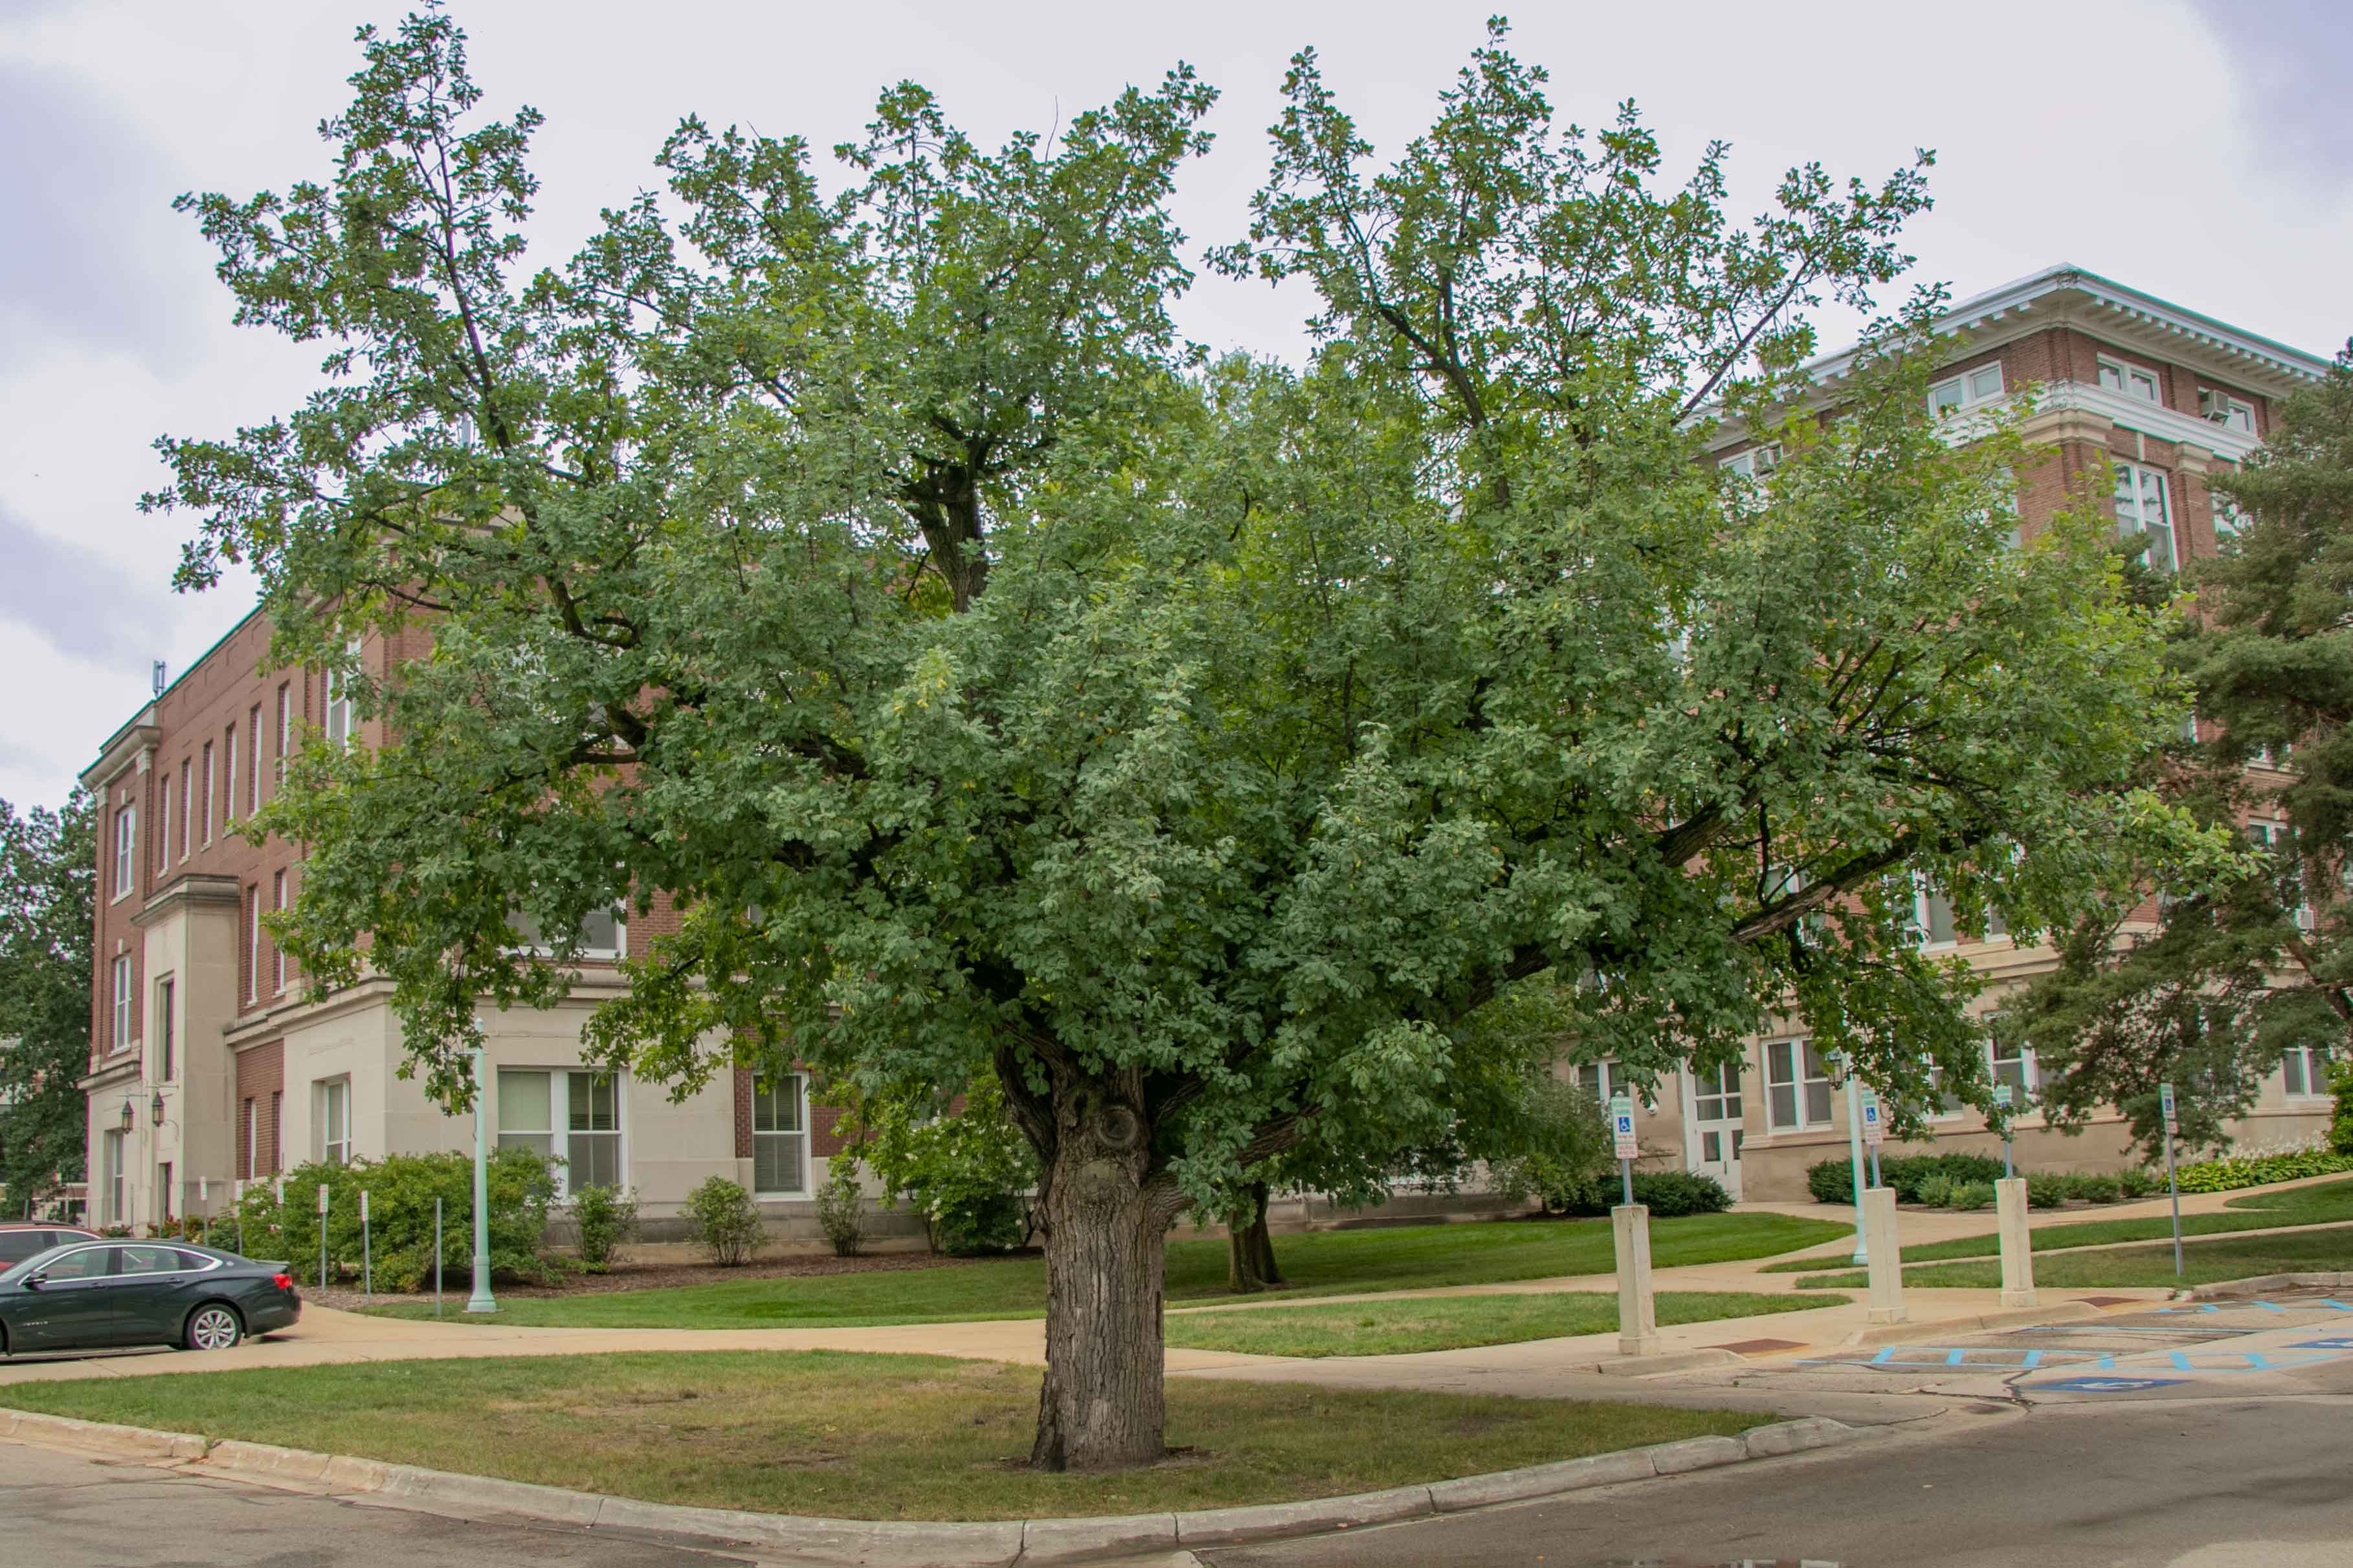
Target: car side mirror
[35,1281]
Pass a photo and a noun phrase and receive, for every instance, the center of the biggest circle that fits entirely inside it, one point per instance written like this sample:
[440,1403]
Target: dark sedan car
[99,1294]
[20,1239]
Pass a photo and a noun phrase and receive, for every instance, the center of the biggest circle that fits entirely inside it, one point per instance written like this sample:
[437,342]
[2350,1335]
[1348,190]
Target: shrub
[2093,1189]
[968,1172]
[838,1205]
[1564,1158]
[2047,1191]
[2133,1182]
[1671,1195]
[1832,1181]
[725,1221]
[1970,1196]
[1935,1192]
[2224,1175]
[2341,1128]
[401,1189]
[606,1216]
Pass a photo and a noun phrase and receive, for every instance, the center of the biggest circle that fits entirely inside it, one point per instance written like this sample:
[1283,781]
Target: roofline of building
[2288,363]
[144,716]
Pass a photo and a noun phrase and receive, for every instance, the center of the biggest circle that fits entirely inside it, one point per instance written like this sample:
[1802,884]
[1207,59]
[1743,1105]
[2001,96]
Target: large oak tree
[1214,751]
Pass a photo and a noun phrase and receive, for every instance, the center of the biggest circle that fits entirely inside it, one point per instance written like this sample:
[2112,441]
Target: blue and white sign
[2103,1385]
[1874,1127]
[2003,1094]
[2165,1103]
[1621,1127]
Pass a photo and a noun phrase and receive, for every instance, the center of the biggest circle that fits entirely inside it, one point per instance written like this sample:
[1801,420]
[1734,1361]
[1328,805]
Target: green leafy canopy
[993,683]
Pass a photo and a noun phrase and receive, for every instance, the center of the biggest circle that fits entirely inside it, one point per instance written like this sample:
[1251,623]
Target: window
[1716,1098]
[187,804]
[2117,375]
[603,934]
[2013,1064]
[1982,384]
[208,792]
[164,828]
[250,1166]
[2230,413]
[333,1099]
[229,796]
[1943,1103]
[117,1209]
[338,711]
[276,1130]
[1602,1080]
[163,1208]
[1797,1086]
[2231,520]
[1755,463]
[253,763]
[126,841]
[277,953]
[285,724]
[1932,917]
[2141,509]
[2279,838]
[253,942]
[779,1136]
[164,1065]
[587,1137]
[122,1001]
[2305,1069]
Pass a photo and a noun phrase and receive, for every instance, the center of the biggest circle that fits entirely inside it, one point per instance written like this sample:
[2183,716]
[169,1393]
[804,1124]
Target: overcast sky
[2196,148]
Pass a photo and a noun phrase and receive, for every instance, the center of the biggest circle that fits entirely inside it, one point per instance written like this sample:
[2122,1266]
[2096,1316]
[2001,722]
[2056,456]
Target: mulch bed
[627,1276]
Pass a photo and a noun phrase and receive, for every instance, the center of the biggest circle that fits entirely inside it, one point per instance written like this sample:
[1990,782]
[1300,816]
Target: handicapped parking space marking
[1975,1358]
[2332,1304]
[2322,1345]
[2105,1384]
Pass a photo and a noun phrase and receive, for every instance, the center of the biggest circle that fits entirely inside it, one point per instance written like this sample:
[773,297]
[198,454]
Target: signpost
[482,1300]
[2172,1185]
[322,1235]
[1875,1131]
[368,1254]
[1840,1063]
[2002,1095]
[437,1254]
[1622,1135]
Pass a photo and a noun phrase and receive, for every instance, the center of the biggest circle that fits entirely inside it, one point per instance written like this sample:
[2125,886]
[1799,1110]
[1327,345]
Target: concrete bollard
[1638,1311]
[1885,1299]
[2016,1242]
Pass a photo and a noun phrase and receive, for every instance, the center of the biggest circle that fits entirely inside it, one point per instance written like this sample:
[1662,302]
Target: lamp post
[1854,1150]
[482,1299]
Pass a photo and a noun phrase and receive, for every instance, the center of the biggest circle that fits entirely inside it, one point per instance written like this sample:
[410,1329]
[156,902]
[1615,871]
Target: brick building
[2143,400]
[208,1068]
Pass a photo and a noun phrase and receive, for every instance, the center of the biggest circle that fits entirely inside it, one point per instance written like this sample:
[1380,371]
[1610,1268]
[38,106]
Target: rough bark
[1107,1215]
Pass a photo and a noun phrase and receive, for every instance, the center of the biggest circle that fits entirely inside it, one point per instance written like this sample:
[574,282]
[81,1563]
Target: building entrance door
[1715,1124]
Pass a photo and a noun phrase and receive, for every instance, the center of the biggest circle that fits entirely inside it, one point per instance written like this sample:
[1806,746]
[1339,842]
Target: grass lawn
[1319,1263]
[2329,1204]
[1451,1323]
[857,1437]
[2204,1262]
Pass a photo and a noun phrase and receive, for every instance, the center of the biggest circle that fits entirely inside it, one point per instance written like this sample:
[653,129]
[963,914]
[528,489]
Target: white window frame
[1800,1047]
[253,766]
[2238,414]
[1967,390]
[252,1136]
[619,950]
[123,993]
[2138,478]
[2276,837]
[187,807]
[276,953]
[229,769]
[212,778]
[163,826]
[1605,1085]
[2311,1064]
[112,1163]
[126,851]
[2130,378]
[330,1119]
[2029,1076]
[559,1133]
[796,1138]
[253,939]
[335,715]
[167,1040]
[1754,464]
[285,724]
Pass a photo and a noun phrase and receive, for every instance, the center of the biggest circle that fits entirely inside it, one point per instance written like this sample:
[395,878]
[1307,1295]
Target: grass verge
[2203,1263]
[856,1436]
[1452,1322]
[2326,1204]
[1320,1263]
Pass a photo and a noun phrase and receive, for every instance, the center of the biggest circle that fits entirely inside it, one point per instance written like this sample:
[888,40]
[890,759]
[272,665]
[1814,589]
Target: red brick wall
[261,1079]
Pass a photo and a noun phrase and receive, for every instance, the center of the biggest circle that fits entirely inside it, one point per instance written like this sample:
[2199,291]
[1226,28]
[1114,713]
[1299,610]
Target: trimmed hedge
[2226,1174]
[1830,1181]
[1668,1195]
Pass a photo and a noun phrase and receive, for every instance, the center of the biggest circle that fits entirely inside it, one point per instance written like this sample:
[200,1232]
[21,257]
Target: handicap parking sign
[2103,1385]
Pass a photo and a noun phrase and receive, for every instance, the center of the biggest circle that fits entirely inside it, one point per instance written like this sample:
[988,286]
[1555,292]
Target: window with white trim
[166,1068]
[209,795]
[121,1037]
[570,1114]
[2013,1064]
[2303,1072]
[252,1136]
[187,804]
[779,1136]
[253,942]
[603,934]
[276,953]
[1797,1087]
[1932,917]
[2143,507]
[163,828]
[1602,1080]
[2132,380]
[331,1105]
[253,768]
[2231,520]
[229,796]
[1943,1103]
[2220,407]
[338,709]
[285,724]
[1967,390]
[1755,463]
[126,846]
[2279,839]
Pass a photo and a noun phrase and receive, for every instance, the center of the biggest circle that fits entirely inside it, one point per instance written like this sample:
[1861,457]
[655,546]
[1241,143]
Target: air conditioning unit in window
[2214,405]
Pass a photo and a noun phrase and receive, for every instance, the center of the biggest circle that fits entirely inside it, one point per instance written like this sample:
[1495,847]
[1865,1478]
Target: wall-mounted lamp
[156,1109]
[129,1116]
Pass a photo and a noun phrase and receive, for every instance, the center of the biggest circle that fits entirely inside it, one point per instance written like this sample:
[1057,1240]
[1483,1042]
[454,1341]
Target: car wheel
[213,1327]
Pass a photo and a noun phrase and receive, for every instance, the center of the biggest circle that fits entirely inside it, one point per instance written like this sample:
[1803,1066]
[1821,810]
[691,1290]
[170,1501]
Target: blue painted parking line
[2322,1345]
[2106,1385]
[1917,1358]
[2329,1302]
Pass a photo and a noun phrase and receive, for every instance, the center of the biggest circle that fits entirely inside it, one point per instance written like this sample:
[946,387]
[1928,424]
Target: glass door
[1716,1124]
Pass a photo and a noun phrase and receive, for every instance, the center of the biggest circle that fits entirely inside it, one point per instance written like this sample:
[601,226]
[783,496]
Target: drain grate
[1759,1347]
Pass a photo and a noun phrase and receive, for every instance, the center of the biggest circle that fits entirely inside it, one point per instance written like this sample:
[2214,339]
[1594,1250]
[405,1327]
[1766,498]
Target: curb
[2228,1288]
[861,1542]
[1908,1333]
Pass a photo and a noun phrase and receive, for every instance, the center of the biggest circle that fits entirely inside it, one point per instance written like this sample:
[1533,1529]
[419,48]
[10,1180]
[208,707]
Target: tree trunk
[1102,1406]
[1249,1250]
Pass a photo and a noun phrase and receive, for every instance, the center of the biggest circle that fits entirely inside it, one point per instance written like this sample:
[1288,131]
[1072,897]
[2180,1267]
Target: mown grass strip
[2204,1262]
[1453,1322]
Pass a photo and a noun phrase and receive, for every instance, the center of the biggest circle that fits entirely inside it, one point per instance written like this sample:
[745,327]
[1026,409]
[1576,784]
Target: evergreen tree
[49,884]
